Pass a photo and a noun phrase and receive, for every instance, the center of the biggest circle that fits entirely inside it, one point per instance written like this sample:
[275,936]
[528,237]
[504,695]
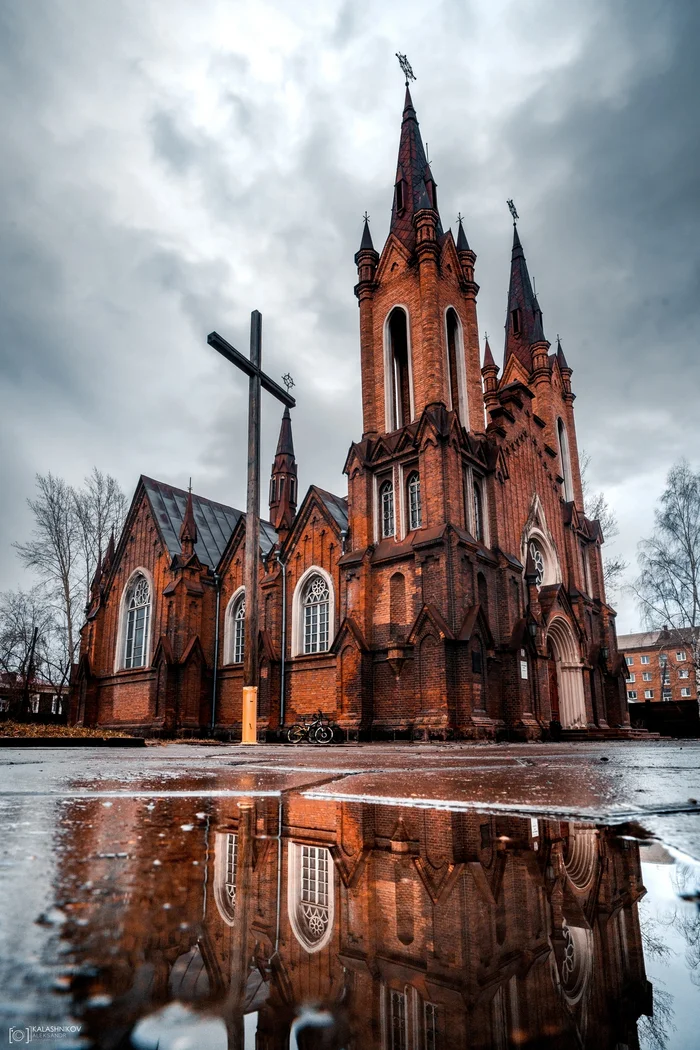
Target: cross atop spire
[405,67]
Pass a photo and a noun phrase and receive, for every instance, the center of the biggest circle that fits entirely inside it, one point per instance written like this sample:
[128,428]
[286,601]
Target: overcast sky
[168,166]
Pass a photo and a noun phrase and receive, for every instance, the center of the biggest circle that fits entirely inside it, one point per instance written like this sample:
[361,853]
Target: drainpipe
[217,584]
[283,566]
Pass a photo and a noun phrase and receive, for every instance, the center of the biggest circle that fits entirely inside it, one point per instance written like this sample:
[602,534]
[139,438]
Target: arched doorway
[565,675]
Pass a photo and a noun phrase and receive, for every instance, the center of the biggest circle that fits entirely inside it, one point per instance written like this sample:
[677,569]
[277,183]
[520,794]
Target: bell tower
[418,327]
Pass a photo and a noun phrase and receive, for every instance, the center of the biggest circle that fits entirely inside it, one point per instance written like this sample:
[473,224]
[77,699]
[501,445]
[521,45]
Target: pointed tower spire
[524,317]
[188,529]
[283,480]
[489,371]
[462,242]
[414,188]
[489,363]
[366,242]
[560,357]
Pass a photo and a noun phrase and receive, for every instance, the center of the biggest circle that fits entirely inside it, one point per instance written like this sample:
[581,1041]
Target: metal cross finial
[405,67]
[460,218]
[366,217]
[513,212]
[288,381]
[486,337]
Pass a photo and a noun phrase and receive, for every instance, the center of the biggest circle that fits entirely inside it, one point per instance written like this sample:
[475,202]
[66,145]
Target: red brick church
[455,592]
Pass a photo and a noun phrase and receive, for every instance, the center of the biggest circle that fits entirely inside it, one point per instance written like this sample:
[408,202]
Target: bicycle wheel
[295,734]
[321,734]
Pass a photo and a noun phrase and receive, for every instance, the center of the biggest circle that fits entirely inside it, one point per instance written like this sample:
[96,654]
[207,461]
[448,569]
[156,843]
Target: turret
[490,373]
[283,480]
[188,530]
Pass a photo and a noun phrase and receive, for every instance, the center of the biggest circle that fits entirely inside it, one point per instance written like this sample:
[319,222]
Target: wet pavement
[388,896]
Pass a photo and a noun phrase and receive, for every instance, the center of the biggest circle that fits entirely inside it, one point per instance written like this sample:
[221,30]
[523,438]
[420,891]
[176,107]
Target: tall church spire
[523,317]
[283,481]
[414,187]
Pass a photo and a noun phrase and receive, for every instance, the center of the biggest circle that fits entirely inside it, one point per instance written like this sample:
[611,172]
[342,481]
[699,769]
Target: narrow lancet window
[453,348]
[239,631]
[565,461]
[415,507]
[400,392]
[386,509]
[478,512]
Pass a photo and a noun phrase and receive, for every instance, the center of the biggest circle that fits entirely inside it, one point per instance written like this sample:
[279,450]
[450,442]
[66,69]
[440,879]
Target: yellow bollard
[250,715]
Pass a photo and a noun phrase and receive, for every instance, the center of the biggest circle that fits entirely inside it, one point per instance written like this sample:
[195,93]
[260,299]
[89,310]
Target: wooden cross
[257,381]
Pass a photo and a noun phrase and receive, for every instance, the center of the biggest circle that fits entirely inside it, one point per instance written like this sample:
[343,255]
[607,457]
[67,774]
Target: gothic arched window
[565,457]
[397,365]
[138,614]
[538,561]
[310,895]
[415,506]
[478,511]
[239,630]
[386,509]
[225,871]
[316,606]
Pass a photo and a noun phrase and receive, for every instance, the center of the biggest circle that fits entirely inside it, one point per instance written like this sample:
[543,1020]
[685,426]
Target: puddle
[275,921]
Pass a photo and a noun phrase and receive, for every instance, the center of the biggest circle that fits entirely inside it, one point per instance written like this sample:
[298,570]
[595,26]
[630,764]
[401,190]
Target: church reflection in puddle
[274,922]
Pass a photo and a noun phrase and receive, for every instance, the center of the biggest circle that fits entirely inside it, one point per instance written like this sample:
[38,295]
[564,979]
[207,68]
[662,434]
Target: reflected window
[310,895]
[138,610]
[225,871]
[430,1025]
[415,507]
[398,1021]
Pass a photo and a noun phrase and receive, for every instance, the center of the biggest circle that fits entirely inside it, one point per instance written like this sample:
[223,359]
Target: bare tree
[668,586]
[598,509]
[53,549]
[71,527]
[27,637]
[100,508]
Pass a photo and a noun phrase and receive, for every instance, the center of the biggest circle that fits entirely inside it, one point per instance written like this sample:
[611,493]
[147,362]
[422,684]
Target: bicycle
[319,730]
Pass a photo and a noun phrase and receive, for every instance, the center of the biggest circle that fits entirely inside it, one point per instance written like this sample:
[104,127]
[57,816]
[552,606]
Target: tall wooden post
[249,733]
[257,381]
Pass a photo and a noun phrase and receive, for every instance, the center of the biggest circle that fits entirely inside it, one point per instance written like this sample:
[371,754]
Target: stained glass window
[316,606]
[138,614]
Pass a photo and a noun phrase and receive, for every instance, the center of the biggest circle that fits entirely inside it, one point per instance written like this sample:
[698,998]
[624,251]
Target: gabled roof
[337,506]
[215,522]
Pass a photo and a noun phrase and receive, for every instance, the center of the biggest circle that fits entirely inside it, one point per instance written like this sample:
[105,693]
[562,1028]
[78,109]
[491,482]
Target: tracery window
[415,506]
[316,606]
[310,894]
[386,509]
[538,561]
[138,611]
[225,872]
[239,630]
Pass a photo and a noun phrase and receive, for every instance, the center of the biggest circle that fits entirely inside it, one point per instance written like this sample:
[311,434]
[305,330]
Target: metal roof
[215,521]
[337,506]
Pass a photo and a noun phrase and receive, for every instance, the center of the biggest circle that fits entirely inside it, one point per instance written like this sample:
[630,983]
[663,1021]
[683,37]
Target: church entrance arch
[565,675]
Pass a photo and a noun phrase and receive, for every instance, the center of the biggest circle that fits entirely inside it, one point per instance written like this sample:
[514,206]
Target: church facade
[456,591]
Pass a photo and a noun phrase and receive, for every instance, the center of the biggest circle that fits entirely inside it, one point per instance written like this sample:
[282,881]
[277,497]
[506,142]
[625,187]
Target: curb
[71,741]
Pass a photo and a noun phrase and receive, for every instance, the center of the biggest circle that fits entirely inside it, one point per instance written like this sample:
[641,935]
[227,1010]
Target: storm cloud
[168,167]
